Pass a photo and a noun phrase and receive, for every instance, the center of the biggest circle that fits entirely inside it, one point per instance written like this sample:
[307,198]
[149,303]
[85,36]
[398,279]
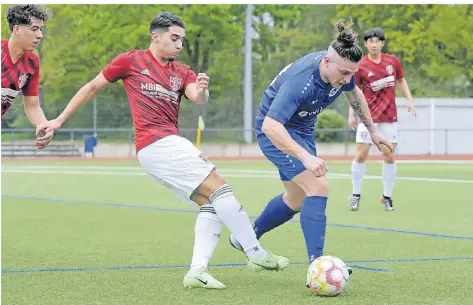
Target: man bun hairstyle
[346,42]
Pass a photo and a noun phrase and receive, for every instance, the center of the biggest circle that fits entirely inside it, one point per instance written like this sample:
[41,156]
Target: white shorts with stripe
[388,130]
[176,163]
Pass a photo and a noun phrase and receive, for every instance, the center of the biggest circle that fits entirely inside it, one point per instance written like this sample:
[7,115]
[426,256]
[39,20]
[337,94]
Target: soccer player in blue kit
[285,131]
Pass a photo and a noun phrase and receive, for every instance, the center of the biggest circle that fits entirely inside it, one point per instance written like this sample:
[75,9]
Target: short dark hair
[164,21]
[374,32]
[346,43]
[19,14]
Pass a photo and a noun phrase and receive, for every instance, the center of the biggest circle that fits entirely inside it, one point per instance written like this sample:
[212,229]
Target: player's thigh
[363,135]
[294,195]
[389,131]
[287,165]
[177,164]
[311,184]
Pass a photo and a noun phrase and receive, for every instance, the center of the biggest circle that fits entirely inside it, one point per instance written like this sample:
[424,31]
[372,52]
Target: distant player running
[155,83]
[20,66]
[285,131]
[377,77]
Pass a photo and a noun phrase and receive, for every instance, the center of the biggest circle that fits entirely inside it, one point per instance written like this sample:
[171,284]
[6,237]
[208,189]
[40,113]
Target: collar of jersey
[318,80]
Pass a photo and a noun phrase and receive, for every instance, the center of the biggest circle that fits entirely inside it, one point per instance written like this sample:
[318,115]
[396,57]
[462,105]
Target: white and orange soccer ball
[327,276]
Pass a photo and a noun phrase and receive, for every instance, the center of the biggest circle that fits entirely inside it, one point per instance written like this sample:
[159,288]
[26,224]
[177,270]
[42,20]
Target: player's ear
[155,37]
[16,30]
[327,60]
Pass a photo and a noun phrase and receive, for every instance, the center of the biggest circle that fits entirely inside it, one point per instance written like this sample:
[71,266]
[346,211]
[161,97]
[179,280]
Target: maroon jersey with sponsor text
[20,76]
[154,93]
[378,83]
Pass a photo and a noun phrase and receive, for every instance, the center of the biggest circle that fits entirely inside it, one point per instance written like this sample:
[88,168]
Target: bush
[329,119]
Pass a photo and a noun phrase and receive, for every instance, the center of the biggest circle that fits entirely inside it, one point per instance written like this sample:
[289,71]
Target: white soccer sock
[389,177]
[358,171]
[207,235]
[232,214]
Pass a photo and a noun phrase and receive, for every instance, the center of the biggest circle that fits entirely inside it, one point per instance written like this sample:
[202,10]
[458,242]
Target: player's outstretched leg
[232,214]
[278,211]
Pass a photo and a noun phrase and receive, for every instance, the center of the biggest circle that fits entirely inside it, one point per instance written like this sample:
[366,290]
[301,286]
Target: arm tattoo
[356,105]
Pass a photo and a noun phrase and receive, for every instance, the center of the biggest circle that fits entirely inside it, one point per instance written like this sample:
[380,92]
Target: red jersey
[378,83]
[154,93]
[23,75]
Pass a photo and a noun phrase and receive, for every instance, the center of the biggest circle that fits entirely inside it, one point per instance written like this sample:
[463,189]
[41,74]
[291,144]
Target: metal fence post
[346,141]
[446,141]
[12,139]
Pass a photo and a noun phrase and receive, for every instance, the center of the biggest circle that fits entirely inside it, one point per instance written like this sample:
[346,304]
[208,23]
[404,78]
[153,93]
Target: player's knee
[389,157]
[213,182]
[318,187]
[360,158]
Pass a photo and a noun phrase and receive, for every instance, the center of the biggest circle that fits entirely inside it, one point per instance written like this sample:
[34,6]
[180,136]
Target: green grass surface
[72,231]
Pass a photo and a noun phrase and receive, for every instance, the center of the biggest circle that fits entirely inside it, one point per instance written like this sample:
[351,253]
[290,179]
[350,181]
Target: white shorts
[177,164]
[389,130]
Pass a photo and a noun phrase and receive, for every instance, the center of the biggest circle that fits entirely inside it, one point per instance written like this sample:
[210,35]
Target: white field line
[234,173]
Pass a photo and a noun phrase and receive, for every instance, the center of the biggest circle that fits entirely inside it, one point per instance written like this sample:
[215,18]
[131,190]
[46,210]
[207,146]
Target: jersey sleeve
[358,79]
[32,86]
[117,68]
[191,77]
[289,97]
[398,67]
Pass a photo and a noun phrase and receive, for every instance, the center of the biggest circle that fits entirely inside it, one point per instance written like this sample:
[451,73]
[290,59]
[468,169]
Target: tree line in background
[432,41]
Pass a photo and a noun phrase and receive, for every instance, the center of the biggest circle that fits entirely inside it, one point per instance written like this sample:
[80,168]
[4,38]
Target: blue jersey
[298,94]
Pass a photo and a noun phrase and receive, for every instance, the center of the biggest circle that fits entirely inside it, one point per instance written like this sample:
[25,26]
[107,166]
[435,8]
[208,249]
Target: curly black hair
[164,20]
[19,14]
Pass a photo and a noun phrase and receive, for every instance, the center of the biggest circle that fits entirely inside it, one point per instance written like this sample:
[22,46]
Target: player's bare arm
[85,94]
[278,135]
[33,110]
[358,103]
[197,92]
[36,116]
[351,118]
[402,83]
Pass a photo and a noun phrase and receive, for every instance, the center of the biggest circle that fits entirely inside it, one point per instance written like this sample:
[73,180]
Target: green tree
[432,41]
[329,119]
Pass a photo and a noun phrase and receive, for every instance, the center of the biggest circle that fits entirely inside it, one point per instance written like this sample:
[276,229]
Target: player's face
[339,71]
[374,45]
[29,35]
[170,42]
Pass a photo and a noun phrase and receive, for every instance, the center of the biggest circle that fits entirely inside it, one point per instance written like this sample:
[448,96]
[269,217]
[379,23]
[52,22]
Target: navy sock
[274,214]
[313,224]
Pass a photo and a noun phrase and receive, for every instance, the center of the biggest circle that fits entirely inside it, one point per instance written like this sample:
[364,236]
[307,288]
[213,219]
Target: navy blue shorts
[288,166]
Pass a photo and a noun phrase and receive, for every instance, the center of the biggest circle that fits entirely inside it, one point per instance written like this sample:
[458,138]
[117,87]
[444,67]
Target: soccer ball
[327,276]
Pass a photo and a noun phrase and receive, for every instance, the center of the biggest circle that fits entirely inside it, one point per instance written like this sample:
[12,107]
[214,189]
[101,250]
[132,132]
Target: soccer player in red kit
[377,77]
[154,83]
[20,66]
